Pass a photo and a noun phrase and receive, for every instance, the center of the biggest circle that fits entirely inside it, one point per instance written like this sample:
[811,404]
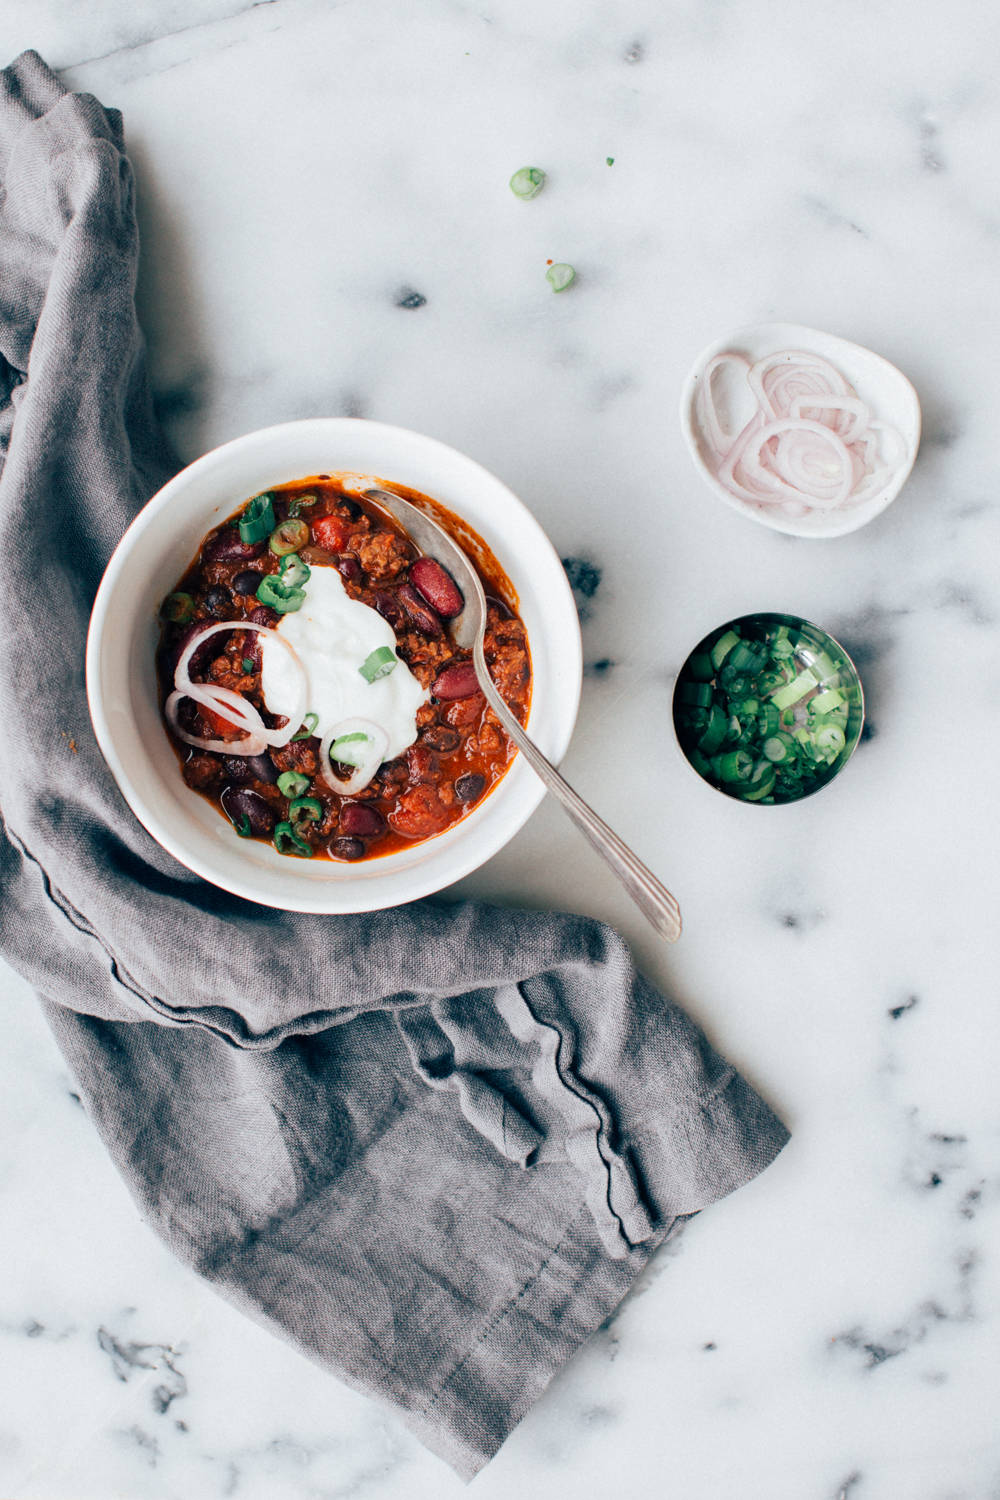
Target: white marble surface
[831,1332]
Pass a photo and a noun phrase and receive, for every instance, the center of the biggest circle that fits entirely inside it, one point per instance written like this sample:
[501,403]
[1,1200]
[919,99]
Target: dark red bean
[361,820]
[442,738]
[239,802]
[264,616]
[202,657]
[346,848]
[251,768]
[421,763]
[247,582]
[470,786]
[228,546]
[458,680]
[437,587]
[219,601]
[421,614]
[348,567]
[390,609]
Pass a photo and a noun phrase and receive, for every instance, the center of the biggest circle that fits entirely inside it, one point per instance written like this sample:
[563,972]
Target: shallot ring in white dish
[231,706]
[857,402]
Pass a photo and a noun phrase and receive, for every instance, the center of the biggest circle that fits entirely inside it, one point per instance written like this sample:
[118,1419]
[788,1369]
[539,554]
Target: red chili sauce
[460,752]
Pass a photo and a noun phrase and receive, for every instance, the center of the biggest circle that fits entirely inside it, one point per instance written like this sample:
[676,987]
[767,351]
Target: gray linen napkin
[432,1146]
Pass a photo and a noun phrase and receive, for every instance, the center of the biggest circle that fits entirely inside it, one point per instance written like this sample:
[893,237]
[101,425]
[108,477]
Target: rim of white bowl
[259,873]
[851,358]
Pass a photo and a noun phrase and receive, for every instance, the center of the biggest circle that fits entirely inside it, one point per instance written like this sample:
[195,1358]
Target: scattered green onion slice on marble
[527,182]
[379,663]
[257,520]
[560,276]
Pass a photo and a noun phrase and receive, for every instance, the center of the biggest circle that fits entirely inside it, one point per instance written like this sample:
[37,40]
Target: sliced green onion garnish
[282,598]
[778,747]
[299,504]
[700,667]
[792,691]
[302,810]
[761,784]
[722,648]
[292,783]
[243,827]
[824,702]
[829,741]
[348,750]
[715,731]
[247,664]
[527,182]
[284,834]
[257,518]
[384,660]
[288,537]
[178,608]
[308,727]
[735,765]
[767,720]
[293,572]
[697,693]
[560,276]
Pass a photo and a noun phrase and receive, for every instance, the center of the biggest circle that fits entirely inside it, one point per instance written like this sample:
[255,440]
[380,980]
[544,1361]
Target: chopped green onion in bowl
[768,708]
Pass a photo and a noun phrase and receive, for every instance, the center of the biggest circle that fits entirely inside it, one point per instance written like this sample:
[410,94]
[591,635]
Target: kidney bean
[422,765]
[421,614]
[348,567]
[228,546]
[218,601]
[346,848]
[437,587]
[361,820]
[458,680]
[264,616]
[240,802]
[470,786]
[442,738]
[250,768]
[390,609]
[247,582]
[201,658]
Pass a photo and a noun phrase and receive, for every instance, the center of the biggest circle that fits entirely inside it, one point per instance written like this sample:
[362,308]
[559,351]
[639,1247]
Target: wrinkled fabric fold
[431,1146]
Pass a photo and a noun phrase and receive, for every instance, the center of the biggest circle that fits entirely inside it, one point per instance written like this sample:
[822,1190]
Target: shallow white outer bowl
[888,392]
[159,546]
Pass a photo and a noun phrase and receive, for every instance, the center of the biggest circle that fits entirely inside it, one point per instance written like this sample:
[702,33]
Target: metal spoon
[468,629]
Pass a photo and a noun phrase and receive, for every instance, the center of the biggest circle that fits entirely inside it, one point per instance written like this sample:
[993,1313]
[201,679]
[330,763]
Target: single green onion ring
[257,519]
[178,608]
[285,833]
[299,504]
[282,598]
[293,572]
[302,810]
[347,751]
[289,536]
[308,727]
[243,827]
[560,276]
[527,182]
[292,784]
[379,663]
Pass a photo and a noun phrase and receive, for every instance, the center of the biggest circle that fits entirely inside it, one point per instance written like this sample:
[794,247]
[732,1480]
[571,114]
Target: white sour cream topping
[333,636]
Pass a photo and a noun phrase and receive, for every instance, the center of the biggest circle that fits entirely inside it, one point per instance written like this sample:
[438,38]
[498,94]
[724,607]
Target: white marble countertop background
[830,1332]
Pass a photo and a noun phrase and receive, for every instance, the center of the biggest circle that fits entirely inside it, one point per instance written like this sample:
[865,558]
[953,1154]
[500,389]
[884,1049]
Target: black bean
[264,616]
[348,567]
[251,768]
[350,507]
[247,582]
[239,803]
[219,601]
[345,848]
[470,786]
[441,737]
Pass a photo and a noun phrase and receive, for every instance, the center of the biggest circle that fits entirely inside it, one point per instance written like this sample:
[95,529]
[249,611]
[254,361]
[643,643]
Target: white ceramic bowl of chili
[124,632]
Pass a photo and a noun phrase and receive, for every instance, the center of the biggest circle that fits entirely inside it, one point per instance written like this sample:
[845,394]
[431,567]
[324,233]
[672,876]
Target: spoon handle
[649,894]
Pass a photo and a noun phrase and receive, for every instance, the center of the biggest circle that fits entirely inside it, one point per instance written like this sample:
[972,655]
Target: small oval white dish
[124,696]
[719,409]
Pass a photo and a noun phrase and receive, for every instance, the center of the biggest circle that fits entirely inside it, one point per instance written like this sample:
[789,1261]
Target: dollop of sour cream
[334,635]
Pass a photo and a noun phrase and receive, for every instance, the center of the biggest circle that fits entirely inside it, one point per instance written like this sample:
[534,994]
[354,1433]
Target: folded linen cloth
[433,1146]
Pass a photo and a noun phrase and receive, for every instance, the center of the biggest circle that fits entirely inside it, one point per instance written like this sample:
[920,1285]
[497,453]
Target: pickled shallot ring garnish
[363,744]
[828,482]
[251,744]
[234,708]
[771,375]
[719,439]
[851,406]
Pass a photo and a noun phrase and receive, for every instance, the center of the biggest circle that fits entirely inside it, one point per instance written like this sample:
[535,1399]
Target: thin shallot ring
[251,744]
[719,441]
[364,773]
[826,435]
[787,362]
[247,716]
[851,406]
